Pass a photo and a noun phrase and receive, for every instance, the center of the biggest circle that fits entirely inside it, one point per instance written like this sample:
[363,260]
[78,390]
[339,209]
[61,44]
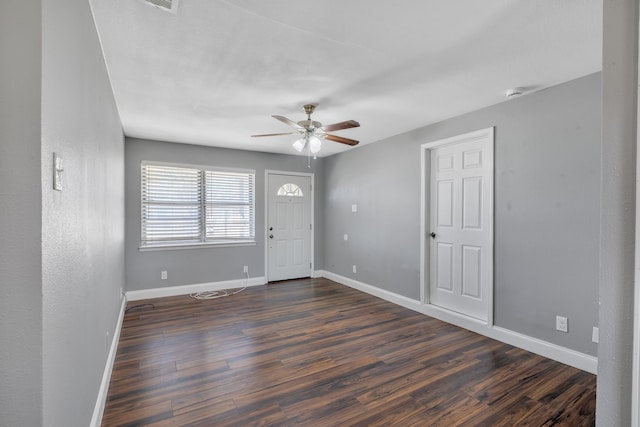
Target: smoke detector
[515,92]
[166,5]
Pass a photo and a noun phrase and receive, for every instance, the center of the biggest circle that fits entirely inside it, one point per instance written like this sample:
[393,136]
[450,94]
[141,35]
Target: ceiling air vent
[166,5]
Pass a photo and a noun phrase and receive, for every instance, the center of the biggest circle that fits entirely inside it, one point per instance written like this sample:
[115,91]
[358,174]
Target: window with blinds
[183,205]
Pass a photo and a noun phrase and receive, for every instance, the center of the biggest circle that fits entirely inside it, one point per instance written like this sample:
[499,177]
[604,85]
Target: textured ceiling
[214,72]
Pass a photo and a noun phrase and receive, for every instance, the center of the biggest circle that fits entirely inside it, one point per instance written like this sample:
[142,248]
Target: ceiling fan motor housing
[311,129]
[308,109]
[310,124]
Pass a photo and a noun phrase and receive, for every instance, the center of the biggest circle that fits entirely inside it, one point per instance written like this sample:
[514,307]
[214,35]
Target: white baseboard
[556,352]
[190,289]
[549,350]
[101,401]
[372,290]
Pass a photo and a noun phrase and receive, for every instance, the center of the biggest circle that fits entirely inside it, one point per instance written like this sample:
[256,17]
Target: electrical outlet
[595,335]
[562,324]
[354,208]
[355,270]
[107,342]
[245,269]
[163,275]
[121,293]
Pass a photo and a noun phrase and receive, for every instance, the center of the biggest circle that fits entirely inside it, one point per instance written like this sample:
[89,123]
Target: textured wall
[546,204]
[205,265]
[83,225]
[20,253]
[383,236]
[619,88]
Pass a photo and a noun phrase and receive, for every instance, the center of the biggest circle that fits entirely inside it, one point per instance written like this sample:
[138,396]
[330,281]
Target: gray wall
[547,201]
[205,265]
[383,180]
[83,225]
[61,253]
[29,262]
[20,201]
[619,145]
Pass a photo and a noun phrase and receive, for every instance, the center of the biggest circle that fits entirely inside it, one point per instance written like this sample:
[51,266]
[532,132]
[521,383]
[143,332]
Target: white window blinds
[229,205]
[192,205]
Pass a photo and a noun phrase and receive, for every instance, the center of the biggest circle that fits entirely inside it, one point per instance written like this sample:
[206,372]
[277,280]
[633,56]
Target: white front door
[288,226]
[460,225]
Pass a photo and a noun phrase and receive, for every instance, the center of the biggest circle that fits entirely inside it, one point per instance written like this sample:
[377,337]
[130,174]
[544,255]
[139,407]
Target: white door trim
[635,374]
[425,173]
[268,172]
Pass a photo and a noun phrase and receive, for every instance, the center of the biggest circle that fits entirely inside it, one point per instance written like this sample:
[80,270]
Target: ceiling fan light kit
[314,144]
[299,145]
[313,132]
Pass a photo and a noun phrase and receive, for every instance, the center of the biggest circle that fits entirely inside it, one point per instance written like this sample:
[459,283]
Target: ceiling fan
[312,132]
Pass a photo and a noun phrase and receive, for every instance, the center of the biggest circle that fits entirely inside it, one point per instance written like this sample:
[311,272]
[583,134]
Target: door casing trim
[311,175]
[425,198]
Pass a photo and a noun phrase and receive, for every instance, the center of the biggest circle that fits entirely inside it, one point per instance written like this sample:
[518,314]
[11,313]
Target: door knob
[271,236]
[433,235]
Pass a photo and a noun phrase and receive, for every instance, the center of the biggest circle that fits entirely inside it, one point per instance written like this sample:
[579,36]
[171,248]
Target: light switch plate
[57,172]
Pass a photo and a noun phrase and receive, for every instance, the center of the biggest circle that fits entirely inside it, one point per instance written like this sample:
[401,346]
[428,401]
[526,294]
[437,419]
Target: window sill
[207,245]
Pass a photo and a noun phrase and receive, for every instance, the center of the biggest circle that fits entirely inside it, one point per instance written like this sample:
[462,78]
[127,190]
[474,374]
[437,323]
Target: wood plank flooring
[315,353]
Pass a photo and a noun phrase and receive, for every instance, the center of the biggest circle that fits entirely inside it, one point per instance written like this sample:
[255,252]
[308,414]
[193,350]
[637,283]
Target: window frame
[203,206]
[297,191]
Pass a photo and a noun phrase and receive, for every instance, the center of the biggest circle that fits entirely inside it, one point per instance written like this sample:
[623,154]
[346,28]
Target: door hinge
[310,226]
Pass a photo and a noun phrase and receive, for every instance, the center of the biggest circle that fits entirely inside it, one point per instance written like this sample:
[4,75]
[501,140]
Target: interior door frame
[425,206]
[267,197]
[635,361]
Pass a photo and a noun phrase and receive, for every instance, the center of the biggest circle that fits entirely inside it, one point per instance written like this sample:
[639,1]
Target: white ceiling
[214,72]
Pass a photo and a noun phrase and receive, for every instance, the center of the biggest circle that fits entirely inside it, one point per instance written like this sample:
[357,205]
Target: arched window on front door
[290,190]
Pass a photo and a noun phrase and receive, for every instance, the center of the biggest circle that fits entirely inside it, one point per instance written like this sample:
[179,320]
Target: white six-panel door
[460,225]
[288,226]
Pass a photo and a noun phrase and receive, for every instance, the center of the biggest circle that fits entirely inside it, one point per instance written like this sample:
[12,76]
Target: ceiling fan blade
[339,126]
[341,140]
[274,134]
[289,122]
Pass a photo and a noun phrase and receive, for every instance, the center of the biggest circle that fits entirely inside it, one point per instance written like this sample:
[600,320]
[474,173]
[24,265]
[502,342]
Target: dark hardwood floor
[313,352]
